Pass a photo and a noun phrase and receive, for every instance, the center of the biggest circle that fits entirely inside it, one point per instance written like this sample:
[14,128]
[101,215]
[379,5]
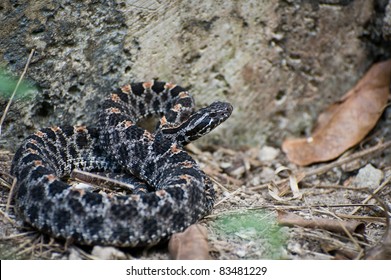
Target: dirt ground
[247,221]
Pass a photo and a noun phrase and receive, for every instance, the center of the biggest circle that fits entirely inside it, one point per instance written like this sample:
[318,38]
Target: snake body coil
[171,192]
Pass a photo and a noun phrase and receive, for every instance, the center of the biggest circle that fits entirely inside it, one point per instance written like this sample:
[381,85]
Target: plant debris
[347,122]
[192,244]
[290,219]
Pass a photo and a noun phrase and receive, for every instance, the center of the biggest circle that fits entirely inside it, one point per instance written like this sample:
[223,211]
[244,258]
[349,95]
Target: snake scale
[171,191]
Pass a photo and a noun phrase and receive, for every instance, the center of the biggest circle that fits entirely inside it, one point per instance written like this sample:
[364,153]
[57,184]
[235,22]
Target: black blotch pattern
[137,88]
[33,212]
[122,233]
[67,130]
[156,105]
[57,187]
[186,102]
[50,134]
[94,225]
[81,140]
[39,172]
[124,212]
[76,206]
[142,109]
[38,139]
[62,218]
[150,199]
[158,86]
[37,192]
[176,91]
[150,225]
[92,199]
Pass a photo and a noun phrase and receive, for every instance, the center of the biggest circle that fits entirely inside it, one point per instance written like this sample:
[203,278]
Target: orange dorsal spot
[40,134]
[175,149]
[148,135]
[161,193]
[169,86]
[185,177]
[38,163]
[79,190]
[80,129]
[33,141]
[55,129]
[51,177]
[163,120]
[135,197]
[128,124]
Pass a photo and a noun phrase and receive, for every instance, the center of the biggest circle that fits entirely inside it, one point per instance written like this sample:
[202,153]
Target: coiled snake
[171,192]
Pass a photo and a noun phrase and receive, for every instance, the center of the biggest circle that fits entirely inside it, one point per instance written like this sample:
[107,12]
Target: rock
[277,62]
[387,22]
[74,254]
[107,253]
[368,176]
[268,153]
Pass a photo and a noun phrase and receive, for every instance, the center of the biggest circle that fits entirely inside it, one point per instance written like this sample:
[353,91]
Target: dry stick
[5,215]
[16,88]
[372,195]
[339,220]
[10,195]
[347,159]
[99,181]
[341,161]
[227,197]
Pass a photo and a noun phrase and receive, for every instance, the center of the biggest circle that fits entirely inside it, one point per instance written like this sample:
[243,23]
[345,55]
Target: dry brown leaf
[290,219]
[192,244]
[347,122]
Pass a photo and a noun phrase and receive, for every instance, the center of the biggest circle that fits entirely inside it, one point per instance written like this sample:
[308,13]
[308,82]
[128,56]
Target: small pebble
[368,176]
[107,253]
[267,153]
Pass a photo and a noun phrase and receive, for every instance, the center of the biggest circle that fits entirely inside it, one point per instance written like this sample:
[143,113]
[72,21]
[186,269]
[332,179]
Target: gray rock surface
[278,62]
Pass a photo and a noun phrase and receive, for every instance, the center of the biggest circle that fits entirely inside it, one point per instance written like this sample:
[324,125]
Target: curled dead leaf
[192,244]
[347,122]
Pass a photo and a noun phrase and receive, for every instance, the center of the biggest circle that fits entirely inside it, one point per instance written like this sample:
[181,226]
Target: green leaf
[8,84]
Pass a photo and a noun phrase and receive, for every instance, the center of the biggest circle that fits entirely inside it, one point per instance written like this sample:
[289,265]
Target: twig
[100,182]
[343,226]
[228,197]
[5,215]
[327,167]
[10,195]
[16,88]
[372,195]
[341,161]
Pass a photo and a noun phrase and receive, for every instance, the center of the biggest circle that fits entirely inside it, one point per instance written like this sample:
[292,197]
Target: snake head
[199,123]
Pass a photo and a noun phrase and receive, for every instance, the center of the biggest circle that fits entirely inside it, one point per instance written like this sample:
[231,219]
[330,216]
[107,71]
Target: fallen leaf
[192,244]
[290,219]
[345,123]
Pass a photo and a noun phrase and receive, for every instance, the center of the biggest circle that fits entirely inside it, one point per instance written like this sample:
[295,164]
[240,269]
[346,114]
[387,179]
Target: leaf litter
[346,122]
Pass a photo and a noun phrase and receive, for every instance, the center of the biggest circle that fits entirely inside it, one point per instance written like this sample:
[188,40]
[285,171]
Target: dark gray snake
[171,191]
